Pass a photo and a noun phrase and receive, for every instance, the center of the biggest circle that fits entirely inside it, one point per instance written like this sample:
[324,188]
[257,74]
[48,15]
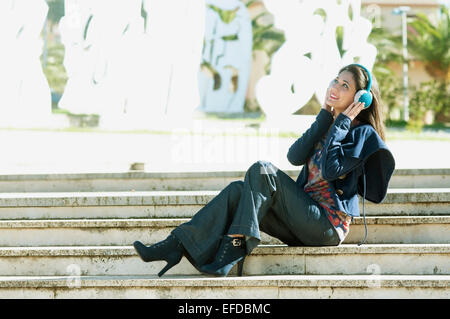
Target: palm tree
[429,42]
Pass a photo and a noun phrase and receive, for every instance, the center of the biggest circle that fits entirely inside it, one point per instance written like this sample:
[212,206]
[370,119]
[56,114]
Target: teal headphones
[364,95]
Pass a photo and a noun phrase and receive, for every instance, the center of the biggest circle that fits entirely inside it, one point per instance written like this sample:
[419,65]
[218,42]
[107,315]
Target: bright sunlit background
[212,84]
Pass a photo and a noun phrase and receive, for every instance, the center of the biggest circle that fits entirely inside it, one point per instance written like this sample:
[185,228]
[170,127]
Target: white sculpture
[96,35]
[120,68]
[25,93]
[230,59]
[116,31]
[310,57]
[172,54]
[132,72]
[79,58]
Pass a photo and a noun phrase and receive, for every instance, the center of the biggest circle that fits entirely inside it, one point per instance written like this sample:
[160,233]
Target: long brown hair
[372,115]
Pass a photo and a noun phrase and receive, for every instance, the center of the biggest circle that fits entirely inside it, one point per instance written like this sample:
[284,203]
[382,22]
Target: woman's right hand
[327,107]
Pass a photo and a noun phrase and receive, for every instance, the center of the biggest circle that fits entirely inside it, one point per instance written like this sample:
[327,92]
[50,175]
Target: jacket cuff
[324,117]
[341,127]
[343,121]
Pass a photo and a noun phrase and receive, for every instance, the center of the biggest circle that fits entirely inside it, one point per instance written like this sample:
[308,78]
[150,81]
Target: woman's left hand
[353,110]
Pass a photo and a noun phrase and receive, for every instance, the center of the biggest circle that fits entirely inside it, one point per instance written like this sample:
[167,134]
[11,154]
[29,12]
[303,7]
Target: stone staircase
[70,236]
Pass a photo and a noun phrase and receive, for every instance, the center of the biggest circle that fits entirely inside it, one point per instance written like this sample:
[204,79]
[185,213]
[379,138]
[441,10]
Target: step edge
[186,174]
[199,281]
[173,222]
[264,250]
[162,198]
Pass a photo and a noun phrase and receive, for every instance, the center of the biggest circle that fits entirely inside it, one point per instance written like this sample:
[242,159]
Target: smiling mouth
[333,98]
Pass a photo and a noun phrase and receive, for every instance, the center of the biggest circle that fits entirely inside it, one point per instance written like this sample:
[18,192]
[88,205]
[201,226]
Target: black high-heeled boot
[170,250]
[231,251]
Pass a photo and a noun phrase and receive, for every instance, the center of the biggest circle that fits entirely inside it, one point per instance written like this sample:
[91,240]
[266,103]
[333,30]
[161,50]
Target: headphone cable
[364,211]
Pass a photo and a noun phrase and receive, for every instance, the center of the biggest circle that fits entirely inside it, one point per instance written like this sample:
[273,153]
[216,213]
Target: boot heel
[171,250]
[240,267]
[172,260]
[231,252]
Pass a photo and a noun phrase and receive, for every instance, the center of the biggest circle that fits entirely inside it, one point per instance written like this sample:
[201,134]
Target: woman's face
[341,91]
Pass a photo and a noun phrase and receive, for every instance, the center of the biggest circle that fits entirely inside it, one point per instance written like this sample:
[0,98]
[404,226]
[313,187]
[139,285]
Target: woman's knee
[256,165]
[263,167]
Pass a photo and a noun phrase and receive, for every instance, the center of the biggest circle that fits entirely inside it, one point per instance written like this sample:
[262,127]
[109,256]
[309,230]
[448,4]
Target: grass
[424,135]
[256,117]
[395,130]
[391,133]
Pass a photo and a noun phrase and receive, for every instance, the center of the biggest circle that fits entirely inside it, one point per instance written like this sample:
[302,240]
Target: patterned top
[319,190]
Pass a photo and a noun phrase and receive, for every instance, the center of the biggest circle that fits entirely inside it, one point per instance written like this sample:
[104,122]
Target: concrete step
[346,259]
[200,287]
[79,227]
[160,181]
[178,204]
[118,232]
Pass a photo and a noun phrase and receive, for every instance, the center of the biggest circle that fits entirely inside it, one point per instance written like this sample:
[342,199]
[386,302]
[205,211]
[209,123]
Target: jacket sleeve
[302,148]
[339,157]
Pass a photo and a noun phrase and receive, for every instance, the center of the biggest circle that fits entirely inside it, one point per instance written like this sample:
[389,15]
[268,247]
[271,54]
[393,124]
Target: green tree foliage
[388,51]
[429,42]
[428,96]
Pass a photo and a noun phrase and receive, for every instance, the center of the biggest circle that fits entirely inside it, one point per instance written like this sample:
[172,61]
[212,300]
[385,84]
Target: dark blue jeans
[267,200]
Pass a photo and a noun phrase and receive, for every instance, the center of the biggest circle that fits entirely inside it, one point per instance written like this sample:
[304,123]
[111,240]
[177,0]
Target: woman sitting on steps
[343,154]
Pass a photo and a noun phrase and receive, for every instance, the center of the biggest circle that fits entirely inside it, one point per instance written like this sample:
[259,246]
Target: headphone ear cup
[363,96]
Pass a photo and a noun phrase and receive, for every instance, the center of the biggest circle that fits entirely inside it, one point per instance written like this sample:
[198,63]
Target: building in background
[416,70]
